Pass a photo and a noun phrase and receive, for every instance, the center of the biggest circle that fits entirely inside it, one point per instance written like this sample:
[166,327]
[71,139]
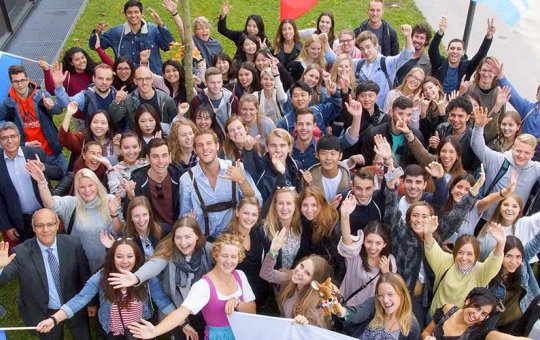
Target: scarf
[198,266]
[208,48]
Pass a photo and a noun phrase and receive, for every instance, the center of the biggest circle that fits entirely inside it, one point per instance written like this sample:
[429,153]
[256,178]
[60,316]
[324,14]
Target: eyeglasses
[21,81]
[145,79]
[43,225]
[127,238]
[159,188]
[416,78]
[289,188]
[12,137]
[123,69]
[341,41]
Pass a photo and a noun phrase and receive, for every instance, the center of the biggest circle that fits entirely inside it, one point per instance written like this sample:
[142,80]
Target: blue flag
[6,60]
[511,11]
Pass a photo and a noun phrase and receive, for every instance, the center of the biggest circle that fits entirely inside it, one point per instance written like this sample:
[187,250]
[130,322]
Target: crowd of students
[398,174]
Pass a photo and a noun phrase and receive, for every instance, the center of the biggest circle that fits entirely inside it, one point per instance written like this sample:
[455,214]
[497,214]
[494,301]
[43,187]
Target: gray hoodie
[493,160]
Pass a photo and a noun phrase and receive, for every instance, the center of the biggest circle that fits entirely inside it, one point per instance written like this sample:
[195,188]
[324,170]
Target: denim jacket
[126,43]
[528,280]
[91,288]
[9,111]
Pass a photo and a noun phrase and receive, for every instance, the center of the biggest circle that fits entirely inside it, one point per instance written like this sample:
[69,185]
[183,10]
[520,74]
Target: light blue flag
[511,11]
[6,60]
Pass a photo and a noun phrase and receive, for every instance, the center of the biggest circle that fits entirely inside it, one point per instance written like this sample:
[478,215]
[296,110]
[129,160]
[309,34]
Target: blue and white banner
[511,11]
[6,60]
[261,327]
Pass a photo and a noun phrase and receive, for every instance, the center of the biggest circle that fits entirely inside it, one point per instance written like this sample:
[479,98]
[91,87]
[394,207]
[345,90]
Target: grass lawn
[348,14]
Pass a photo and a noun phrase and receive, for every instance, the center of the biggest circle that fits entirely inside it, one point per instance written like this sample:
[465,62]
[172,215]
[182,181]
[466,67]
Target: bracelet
[175,14]
[274,254]
[43,184]
[114,216]
[54,320]
[183,324]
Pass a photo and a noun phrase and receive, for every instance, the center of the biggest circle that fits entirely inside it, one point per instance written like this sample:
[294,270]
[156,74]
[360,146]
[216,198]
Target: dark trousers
[78,327]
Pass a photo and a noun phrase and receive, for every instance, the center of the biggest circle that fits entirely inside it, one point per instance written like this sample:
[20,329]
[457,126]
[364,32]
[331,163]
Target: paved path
[44,32]
[519,43]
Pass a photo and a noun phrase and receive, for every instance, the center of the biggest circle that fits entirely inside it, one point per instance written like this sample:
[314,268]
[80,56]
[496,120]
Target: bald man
[51,269]
[124,106]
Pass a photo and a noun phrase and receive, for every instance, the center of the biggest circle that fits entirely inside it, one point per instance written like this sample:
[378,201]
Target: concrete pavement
[517,47]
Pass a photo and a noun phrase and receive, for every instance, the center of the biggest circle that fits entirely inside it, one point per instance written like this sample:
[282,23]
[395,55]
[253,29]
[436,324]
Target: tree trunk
[188,57]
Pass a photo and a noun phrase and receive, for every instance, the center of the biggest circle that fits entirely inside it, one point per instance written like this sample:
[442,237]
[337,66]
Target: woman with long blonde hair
[313,52]
[87,214]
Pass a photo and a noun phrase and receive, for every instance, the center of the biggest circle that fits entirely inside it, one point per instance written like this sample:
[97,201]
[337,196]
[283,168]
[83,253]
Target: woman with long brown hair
[141,225]
[118,307]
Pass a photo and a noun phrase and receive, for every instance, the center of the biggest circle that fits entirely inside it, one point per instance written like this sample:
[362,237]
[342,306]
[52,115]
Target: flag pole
[468,23]
[23,58]
[17,328]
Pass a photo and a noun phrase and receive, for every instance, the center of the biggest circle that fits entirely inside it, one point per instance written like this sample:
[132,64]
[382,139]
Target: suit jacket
[10,207]
[29,267]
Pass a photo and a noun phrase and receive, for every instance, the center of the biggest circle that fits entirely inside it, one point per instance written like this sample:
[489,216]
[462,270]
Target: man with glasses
[99,96]
[159,182]
[19,195]
[31,109]
[136,35]
[124,106]
[51,269]
[346,44]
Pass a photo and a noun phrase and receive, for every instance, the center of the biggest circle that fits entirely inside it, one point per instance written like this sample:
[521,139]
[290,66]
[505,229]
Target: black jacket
[389,44]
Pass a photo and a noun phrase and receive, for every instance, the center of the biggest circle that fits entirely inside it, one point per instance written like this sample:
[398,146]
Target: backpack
[357,73]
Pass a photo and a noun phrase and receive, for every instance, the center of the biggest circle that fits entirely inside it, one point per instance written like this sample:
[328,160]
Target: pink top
[214,311]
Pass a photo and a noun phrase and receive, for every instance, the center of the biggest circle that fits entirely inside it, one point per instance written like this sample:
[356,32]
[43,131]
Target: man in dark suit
[19,195]
[51,270]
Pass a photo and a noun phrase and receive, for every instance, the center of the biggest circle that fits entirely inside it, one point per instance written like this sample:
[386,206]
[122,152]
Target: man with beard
[457,67]
[421,35]
[98,96]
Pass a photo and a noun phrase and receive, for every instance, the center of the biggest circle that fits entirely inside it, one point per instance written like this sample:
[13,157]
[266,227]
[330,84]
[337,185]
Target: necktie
[55,270]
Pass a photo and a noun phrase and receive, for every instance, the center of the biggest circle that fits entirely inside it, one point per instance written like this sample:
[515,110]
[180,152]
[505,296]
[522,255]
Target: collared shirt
[307,158]
[54,298]
[221,193]
[147,247]
[22,182]
[193,160]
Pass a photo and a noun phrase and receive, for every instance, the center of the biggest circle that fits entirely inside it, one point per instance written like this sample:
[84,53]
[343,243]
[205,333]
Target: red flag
[294,9]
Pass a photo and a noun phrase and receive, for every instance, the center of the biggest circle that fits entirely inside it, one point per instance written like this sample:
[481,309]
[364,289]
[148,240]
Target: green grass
[348,14]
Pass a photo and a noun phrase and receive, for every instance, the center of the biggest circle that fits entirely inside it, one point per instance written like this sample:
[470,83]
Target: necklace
[226,282]
[391,327]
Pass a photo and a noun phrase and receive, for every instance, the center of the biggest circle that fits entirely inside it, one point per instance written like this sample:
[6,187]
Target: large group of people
[397,176]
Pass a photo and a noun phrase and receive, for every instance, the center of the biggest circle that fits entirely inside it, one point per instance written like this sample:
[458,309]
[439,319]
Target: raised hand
[58,76]
[441,106]
[121,95]
[401,126]
[35,171]
[443,24]
[72,108]
[44,65]
[481,118]
[464,85]
[354,107]
[47,102]
[503,96]
[497,231]
[453,95]
[106,239]
[225,8]
[155,17]
[123,279]
[98,41]
[479,182]
[306,175]
[496,67]
[114,203]
[384,264]
[509,190]
[144,55]
[170,5]
[382,147]
[100,27]
[5,258]
[490,28]
[279,240]
[430,225]
[406,30]
[234,173]
[435,169]
[248,142]
[348,205]
[129,187]
[434,140]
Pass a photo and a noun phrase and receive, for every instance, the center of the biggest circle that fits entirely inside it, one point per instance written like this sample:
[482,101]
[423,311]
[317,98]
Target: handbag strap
[361,288]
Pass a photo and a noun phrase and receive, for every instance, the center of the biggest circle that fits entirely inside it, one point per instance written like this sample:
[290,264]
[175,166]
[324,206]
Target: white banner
[261,327]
